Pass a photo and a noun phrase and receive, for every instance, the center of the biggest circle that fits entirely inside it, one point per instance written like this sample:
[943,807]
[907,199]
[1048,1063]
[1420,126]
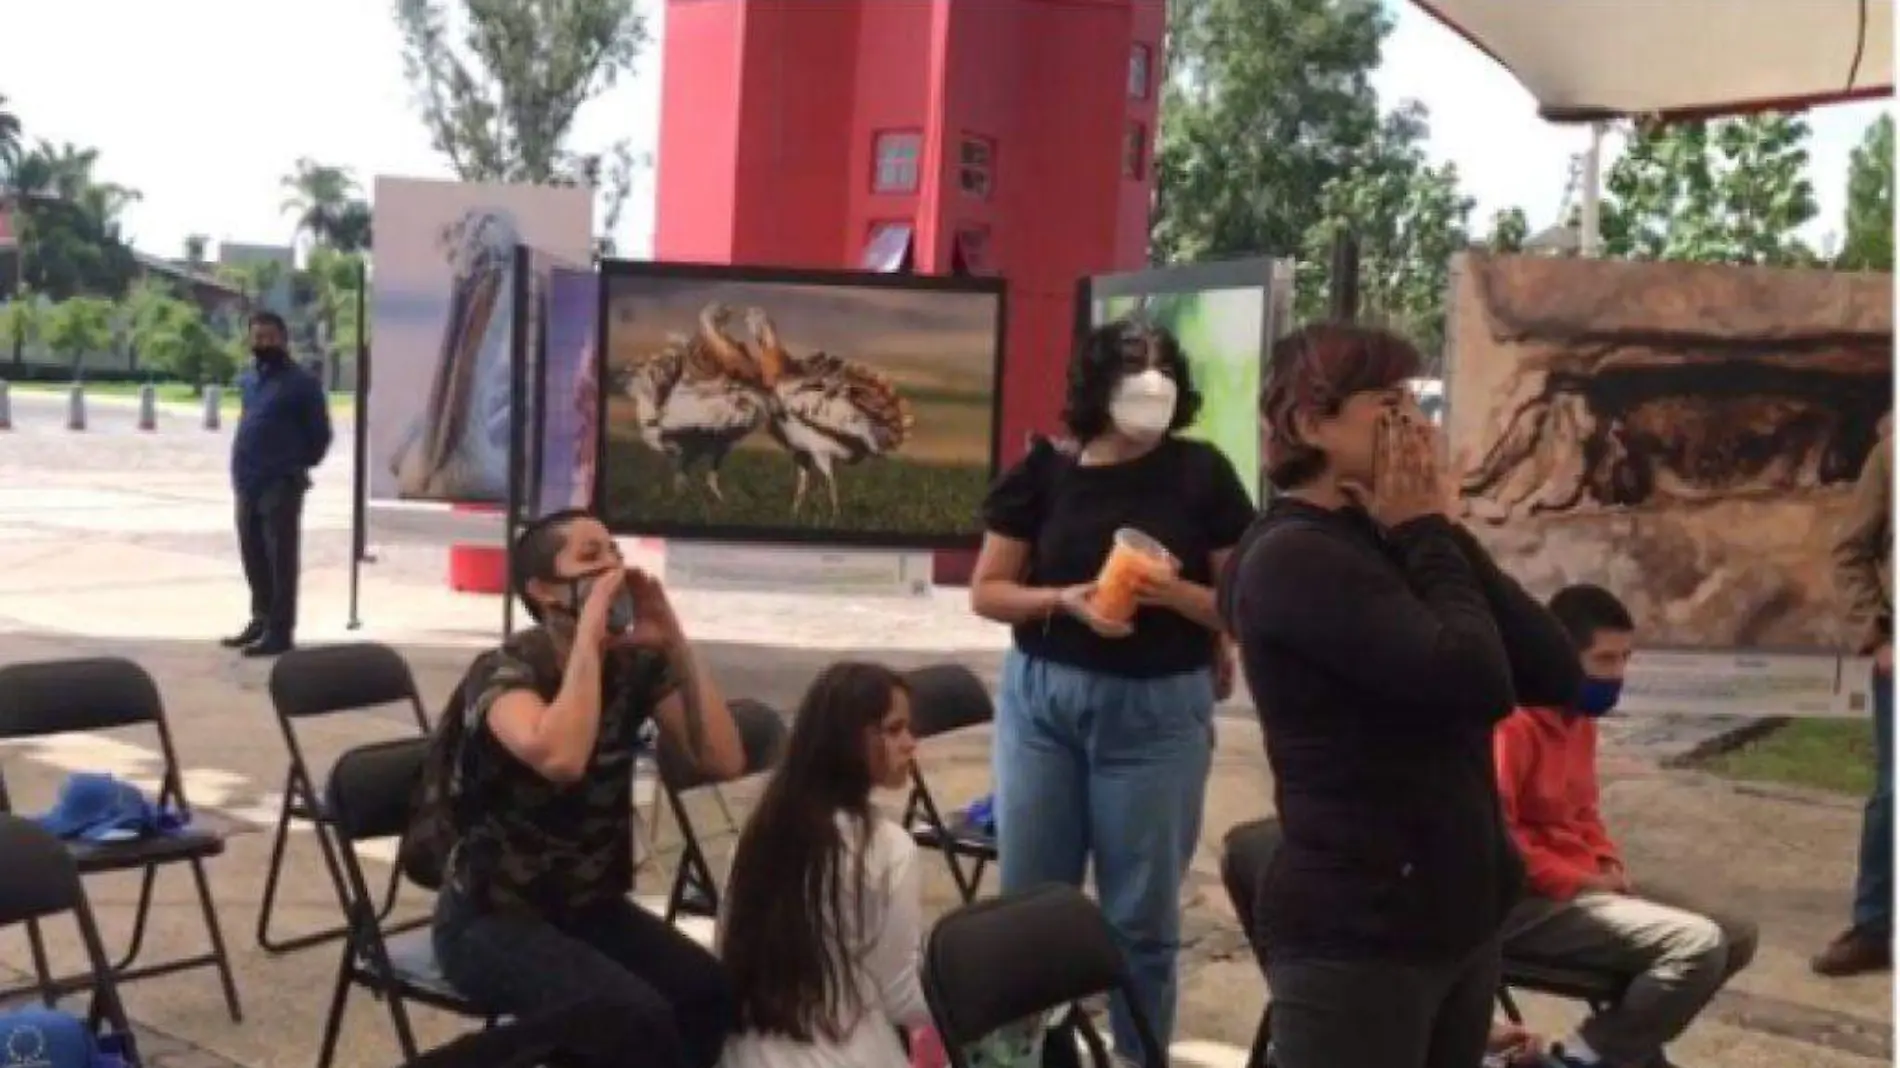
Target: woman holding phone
[1104,733]
[1380,644]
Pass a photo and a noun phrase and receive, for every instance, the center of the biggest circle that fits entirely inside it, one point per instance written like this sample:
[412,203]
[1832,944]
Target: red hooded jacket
[1547,784]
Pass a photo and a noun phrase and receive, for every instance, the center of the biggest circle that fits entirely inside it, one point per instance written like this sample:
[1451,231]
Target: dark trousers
[515,963]
[270,531]
[1379,1014]
[1873,888]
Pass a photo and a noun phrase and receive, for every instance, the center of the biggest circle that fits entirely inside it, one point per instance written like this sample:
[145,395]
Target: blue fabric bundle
[980,816]
[99,808]
[48,1038]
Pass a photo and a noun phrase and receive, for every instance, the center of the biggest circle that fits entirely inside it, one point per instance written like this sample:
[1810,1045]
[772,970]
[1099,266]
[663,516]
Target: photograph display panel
[830,408]
[1221,314]
[1685,435]
[442,312]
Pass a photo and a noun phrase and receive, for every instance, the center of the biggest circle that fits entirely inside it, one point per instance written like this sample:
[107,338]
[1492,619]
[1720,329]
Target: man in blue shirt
[283,433]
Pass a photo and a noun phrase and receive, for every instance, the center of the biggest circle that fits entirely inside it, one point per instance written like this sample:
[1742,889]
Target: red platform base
[477,568]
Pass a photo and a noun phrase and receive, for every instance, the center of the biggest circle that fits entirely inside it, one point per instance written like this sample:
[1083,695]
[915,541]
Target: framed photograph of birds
[804,407]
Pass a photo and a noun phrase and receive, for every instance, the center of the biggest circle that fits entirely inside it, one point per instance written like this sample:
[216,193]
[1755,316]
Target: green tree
[1723,191]
[21,322]
[1409,219]
[326,201]
[1869,243]
[1266,101]
[69,235]
[335,279]
[78,327]
[499,88]
[1510,228]
[9,136]
[176,341]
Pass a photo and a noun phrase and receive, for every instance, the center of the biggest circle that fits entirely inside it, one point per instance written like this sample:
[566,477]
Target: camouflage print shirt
[526,841]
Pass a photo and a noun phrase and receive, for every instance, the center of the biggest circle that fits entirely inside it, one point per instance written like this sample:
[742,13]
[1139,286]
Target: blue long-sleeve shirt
[284,430]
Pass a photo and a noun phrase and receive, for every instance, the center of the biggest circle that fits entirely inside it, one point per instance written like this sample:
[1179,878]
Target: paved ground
[118,542]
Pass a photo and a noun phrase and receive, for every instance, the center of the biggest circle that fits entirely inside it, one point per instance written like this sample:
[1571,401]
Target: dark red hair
[1314,370]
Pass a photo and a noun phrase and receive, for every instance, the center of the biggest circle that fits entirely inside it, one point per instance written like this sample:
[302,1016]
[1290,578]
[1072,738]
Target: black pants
[672,992]
[1378,1014]
[269,529]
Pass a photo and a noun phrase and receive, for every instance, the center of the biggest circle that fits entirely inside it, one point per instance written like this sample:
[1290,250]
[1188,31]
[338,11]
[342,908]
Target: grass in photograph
[1819,754]
[887,495]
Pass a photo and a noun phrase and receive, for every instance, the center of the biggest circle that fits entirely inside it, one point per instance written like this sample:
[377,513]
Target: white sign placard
[1747,684]
[788,569]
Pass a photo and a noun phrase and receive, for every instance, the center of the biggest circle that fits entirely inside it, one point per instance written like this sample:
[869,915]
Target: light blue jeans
[1114,770]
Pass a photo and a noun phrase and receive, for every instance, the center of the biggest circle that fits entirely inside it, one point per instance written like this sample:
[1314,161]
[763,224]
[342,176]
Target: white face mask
[1142,405]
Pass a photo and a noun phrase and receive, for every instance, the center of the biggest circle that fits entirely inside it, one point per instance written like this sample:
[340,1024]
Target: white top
[885,955]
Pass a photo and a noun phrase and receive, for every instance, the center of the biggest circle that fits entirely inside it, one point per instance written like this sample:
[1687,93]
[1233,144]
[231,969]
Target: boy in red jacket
[1582,910]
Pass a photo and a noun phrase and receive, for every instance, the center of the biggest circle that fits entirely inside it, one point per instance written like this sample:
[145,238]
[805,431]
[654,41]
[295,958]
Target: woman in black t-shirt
[1105,731]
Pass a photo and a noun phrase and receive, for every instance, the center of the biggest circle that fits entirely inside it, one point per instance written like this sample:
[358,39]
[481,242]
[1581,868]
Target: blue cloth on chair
[48,1038]
[99,808]
[979,816]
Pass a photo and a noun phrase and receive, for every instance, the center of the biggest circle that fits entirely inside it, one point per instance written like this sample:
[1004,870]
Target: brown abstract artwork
[1687,435]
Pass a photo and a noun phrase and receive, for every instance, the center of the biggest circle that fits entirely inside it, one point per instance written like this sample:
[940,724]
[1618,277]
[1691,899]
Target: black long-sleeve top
[1379,660]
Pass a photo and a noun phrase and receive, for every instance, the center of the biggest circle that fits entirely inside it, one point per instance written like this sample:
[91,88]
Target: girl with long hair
[823,921]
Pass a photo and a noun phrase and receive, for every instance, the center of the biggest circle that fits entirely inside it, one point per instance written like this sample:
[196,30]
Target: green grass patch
[1818,754]
[885,495]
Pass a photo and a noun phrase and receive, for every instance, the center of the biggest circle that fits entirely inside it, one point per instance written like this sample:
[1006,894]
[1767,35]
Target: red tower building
[997,137]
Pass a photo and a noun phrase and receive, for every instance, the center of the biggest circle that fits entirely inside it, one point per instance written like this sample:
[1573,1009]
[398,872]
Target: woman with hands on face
[1381,645]
[1104,731]
[534,914]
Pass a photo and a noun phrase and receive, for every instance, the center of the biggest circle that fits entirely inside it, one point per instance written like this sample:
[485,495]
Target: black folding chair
[369,796]
[1011,958]
[97,694]
[1246,850]
[1598,991]
[305,684]
[38,879]
[945,698]
[762,732]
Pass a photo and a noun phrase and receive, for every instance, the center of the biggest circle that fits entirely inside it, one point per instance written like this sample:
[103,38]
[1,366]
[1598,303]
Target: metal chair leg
[213,929]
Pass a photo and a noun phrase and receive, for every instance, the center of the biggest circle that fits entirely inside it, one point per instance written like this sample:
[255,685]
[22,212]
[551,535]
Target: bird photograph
[755,409]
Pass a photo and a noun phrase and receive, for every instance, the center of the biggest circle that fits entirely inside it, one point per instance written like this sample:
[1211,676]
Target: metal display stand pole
[518,419]
[359,460]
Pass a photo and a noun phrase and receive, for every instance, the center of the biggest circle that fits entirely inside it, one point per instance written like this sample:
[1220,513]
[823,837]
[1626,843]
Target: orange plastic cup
[1134,557]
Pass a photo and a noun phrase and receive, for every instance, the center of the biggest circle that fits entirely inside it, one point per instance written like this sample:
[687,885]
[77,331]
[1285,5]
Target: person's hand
[1603,882]
[1516,1044]
[590,628]
[1075,601]
[1408,478]
[1619,878]
[655,624]
[1158,590]
[1226,669]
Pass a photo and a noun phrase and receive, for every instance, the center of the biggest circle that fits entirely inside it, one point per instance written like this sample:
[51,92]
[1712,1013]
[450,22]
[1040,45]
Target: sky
[206,134]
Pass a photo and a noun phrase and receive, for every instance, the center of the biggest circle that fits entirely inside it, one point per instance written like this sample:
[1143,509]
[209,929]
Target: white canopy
[1597,59]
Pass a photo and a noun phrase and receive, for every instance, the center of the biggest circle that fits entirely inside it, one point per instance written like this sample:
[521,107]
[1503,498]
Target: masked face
[1598,696]
[579,588]
[1142,405]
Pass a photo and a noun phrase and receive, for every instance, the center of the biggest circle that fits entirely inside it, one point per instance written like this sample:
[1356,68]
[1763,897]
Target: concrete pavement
[118,542]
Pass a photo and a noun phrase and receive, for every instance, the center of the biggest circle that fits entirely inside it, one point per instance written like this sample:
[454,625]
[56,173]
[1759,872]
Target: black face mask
[270,353]
[619,613]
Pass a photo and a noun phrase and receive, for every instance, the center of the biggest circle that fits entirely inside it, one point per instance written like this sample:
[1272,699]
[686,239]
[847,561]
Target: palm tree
[319,195]
[9,136]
